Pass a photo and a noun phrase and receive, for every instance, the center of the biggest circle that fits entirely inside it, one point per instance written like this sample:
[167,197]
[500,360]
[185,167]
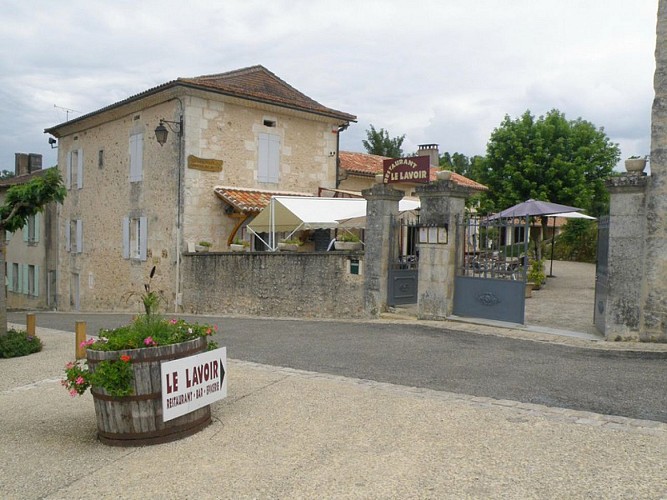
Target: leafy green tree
[460,163]
[549,158]
[6,174]
[379,143]
[22,201]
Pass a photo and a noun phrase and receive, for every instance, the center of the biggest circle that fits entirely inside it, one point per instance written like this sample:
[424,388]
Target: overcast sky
[442,71]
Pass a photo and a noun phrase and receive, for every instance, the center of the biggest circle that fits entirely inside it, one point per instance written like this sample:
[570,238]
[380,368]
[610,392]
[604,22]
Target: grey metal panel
[402,287]
[488,298]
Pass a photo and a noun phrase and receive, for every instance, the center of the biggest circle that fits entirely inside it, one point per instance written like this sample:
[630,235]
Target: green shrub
[18,343]
[536,272]
[348,237]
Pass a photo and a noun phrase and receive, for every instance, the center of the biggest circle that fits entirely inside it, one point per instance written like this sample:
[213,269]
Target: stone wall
[281,284]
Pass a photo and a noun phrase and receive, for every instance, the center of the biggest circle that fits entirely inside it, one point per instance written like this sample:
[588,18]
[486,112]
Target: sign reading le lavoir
[193,382]
[413,169]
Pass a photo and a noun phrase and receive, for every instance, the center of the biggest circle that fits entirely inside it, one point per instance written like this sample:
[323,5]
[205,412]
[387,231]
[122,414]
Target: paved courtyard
[566,301]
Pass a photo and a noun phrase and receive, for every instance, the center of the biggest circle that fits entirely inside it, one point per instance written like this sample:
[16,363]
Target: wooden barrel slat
[136,420]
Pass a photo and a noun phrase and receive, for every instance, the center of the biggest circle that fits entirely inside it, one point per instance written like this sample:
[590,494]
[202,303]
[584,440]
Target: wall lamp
[52,143]
[161,131]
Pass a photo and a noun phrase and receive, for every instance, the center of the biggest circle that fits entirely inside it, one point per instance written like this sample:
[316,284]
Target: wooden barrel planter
[136,420]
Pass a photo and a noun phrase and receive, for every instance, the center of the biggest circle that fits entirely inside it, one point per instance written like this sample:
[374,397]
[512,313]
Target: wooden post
[80,336]
[30,324]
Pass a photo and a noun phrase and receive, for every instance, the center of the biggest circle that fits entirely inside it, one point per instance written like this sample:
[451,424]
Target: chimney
[21,164]
[430,150]
[35,162]
[26,163]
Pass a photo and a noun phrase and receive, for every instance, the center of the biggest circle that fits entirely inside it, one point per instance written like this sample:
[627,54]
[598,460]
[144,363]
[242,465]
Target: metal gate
[601,274]
[491,264]
[403,262]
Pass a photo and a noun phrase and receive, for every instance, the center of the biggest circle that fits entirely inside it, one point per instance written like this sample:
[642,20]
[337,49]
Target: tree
[461,164]
[551,159]
[6,174]
[379,143]
[22,201]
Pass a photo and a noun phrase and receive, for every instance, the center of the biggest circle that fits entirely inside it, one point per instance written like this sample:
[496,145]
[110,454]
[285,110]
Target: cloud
[440,71]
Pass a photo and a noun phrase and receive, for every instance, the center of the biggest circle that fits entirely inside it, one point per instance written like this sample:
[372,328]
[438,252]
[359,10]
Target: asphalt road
[629,384]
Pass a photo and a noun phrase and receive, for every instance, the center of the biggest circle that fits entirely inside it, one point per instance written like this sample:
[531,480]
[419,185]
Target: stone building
[30,254]
[189,160]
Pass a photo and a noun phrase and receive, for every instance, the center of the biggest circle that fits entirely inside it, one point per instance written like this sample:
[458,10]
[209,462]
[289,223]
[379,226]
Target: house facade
[137,199]
[30,253]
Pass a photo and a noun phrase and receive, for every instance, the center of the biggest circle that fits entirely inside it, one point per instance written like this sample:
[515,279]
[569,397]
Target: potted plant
[290,245]
[347,241]
[636,164]
[122,371]
[239,245]
[203,246]
[536,276]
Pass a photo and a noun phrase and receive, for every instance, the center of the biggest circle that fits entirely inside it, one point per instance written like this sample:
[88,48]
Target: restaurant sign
[412,169]
[193,382]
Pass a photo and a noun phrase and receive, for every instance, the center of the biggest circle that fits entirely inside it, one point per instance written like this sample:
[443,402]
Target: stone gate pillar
[442,202]
[382,202]
[622,304]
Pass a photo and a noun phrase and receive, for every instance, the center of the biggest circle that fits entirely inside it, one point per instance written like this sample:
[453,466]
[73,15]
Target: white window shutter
[68,170]
[274,158]
[8,236]
[79,236]
[35,293]
[143,237]
[79,169]
[126,237]
[68,235]
[24,279]
[136,157]
[26,232]
[10,277]
[38,217]
[263,159]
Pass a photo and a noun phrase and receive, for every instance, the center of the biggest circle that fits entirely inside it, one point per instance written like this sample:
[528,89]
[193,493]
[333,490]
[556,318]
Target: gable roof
[254,83]
[258,83]
[369,165]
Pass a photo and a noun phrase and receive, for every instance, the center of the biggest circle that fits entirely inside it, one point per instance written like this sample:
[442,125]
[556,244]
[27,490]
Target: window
[269,123]
[100,158]
[136,157]
[135,236]
[74,169]
[31,229]
[13,278]
[74,236]
[33,281]
[268,169]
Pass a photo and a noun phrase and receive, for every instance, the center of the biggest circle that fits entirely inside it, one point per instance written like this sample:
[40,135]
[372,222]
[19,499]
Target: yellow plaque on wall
[204,164]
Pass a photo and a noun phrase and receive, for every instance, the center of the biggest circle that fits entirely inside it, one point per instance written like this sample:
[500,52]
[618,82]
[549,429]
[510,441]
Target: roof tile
[250,200]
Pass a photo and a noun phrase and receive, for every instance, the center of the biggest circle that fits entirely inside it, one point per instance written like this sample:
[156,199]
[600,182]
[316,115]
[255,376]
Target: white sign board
[193,382]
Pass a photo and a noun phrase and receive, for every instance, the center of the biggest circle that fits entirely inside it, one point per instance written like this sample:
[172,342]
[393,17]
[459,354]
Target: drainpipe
[341,128]
[179,197]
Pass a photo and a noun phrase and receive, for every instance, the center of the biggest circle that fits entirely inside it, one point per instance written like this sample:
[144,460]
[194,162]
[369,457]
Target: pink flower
[208,331]
[215,327]
[149,341]
[173,321]
[73,392]
[69,365]
[79,380]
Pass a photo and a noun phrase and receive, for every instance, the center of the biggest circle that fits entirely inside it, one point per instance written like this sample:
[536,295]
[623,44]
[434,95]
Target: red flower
[125,358]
